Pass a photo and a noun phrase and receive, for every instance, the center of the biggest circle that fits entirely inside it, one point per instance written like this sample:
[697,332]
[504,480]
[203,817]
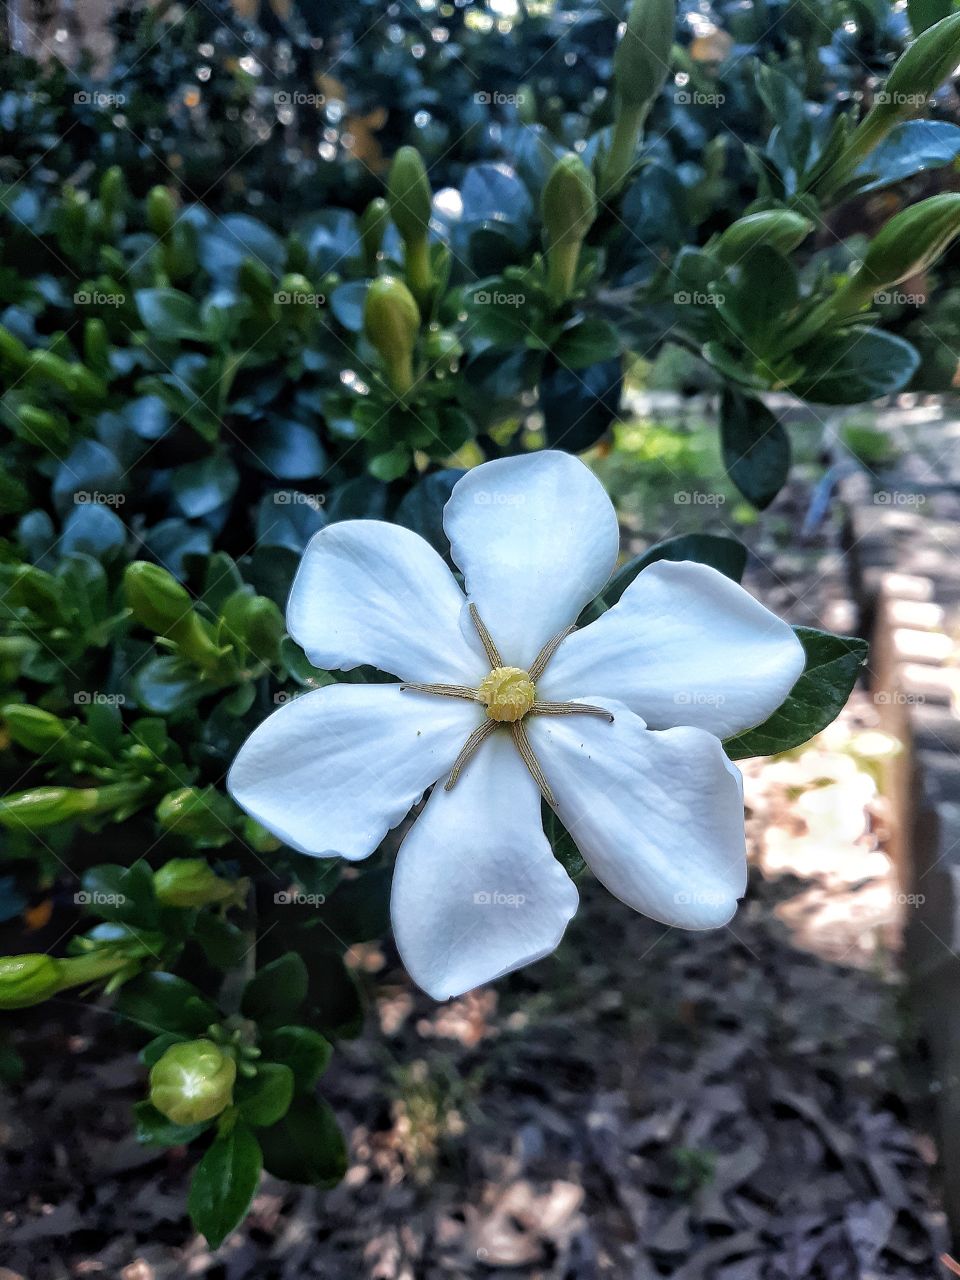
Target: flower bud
[157,599]
[188,882]
[32,727]
[44,807]
[372,226]
[42,427]
[441,344]
[391,321]
[909,243]
[642,59]
[96,344]
[569,202]
[201,814]
[192,1082]
[161,211]
[263,629]
[568,209]
[781,229]
[113,191]
[27,980]
[408,190]
[12,349]
[922,68]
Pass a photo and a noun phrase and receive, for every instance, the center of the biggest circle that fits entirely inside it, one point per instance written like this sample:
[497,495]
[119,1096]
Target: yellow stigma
[507,693]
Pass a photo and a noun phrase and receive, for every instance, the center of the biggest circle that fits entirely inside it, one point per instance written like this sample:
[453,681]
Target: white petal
[332,771]
[683,646]
[477,891]
[536,538]
[658,817]
[371,592]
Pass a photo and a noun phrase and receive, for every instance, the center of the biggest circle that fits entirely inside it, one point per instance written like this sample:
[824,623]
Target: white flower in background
[617,725]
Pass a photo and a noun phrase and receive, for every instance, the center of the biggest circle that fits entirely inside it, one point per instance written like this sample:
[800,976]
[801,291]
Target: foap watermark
[294,498]
[886,297]
[897,498]
[884,98]
[494,898]
[897,698]
[697,98]
[298,298]
[97,298]
[297,898]
[910,899]
[298,99]
[697,298]
[699,699]
[494,98]
[491,498]
[96,498]
[93,698]
[700,898]
[697,498]
[97,98]
[497,298]
[94,898]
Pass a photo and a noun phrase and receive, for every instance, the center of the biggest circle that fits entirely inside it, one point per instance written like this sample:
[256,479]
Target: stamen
[486,639]
[569,709]
[531,761]
[546,653]
[469,747]
[444,690]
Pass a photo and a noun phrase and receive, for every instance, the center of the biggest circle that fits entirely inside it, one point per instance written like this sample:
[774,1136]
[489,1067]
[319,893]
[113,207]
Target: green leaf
[164,1002]
[359,910]
[588,341]
[275,993]
[818,697]
[223,943]
[563,844]
[155,1130]
[304,1051]
[579,407]
[224,1184]
[726,555]
[264,1099]
[169,314]
[306,1146]
[756,448]
[849,368]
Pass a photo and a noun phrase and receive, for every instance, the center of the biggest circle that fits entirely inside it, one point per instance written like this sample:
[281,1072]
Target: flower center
[507,692]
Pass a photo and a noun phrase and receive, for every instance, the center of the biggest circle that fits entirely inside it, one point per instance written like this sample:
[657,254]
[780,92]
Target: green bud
[186,882]
[42,427]
[640,67]
[391,321]
[408,191]
[38,591]
[568,209]
[781,229]
[264,629]
[12,349]
[569,202]
[43,807]
[28,979]
[157,599]
[257,836]
[113,191]
[372,226]
[192,1082]
[256,281]
[909,243]
[96,345]
[642,58]
[31,727]
[202,814]
[161,604]
[161,211]
[441,344]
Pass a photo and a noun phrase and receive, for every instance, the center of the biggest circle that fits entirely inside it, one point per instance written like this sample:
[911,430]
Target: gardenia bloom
[618,725]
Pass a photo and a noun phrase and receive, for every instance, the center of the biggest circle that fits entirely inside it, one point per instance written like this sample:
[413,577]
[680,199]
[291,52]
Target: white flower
[620,730]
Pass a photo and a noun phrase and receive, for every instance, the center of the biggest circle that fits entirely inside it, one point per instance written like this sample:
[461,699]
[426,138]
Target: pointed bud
[921,69]
[569,202]
[113,191]
[28,979]
[189,882]
[192,1082]
[391,321]
[408,190]
[33,728]
[373,224]
[642,59]
[781,229]
[202,814]
[909,243]
[156,598]
[161,211]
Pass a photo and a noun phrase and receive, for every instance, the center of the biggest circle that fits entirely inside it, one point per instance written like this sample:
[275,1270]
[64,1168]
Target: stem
[418,273]
[562,263]
[400,374]
[623,147]
[78,970]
